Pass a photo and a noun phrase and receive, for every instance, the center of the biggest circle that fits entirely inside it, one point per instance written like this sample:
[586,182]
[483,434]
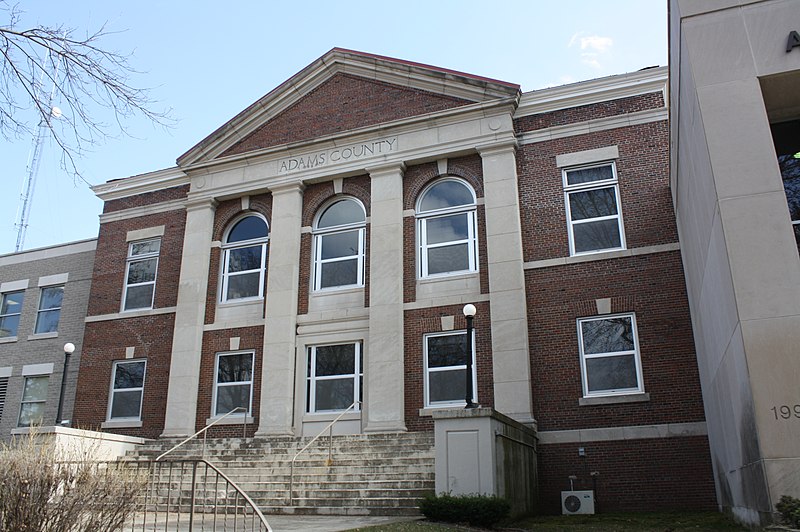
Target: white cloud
[593,48]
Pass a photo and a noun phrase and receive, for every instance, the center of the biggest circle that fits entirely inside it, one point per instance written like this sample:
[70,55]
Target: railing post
[194,486]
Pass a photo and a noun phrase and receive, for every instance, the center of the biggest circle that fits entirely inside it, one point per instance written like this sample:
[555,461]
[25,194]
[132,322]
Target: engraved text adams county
[335,155]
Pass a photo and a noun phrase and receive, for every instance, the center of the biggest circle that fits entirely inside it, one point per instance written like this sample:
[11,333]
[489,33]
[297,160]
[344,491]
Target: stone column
[283,277]
[384,362]
[187,337]
[511,360]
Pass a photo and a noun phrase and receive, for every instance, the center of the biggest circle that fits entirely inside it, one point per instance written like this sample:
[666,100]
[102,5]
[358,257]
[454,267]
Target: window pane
[9,325]
[607,336]
[31,414]
[447,350]
[334,394]
[248,229]
[47,321]
[446,194]
[35,389]
[148,246]
[139,297]
[339,245]
[142,271]
[230,397]
[126,404]
[51,297]
[790,171]
[241,286]
[591,236]
[611,373]
[340,273]
[129,375]
[336,360]
[448,259]
[447,228]
[341,213]
[593,203]
[244,259]
[235,368]
[447,385]
[587,175]
[796,238]
[12,302]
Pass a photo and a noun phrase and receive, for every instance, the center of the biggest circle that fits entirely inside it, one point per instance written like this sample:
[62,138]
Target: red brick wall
[342,103]
[634,475]
[250,339]
[103,343]
[108,278]
[148,198]
[423,321]
[653,287]
[643,174]
[582,113]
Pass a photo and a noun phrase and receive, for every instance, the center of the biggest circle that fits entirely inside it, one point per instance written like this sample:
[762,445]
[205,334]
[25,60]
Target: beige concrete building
[735,110]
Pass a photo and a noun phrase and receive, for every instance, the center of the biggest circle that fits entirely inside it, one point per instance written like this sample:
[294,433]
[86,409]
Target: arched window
[245,259]
[446,229]
[339,245]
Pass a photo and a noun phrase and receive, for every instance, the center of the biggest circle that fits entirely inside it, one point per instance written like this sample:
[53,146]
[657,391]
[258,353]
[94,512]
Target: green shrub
[475,510]
[789,507]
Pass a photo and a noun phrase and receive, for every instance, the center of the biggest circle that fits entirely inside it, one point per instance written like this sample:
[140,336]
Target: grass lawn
[628,522]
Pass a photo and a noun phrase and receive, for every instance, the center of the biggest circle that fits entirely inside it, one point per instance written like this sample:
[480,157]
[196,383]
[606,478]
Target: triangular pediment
[343,91]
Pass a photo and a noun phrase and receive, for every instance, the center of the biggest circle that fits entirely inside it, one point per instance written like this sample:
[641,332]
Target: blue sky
[206,61]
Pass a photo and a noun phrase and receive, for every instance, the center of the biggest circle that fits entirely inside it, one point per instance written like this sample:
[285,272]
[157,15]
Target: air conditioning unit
[577,502]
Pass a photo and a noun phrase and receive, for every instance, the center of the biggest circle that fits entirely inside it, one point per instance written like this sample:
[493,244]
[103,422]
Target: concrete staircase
[375,474]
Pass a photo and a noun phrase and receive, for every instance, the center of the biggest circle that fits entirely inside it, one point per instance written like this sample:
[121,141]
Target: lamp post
[469,314]
[69,348]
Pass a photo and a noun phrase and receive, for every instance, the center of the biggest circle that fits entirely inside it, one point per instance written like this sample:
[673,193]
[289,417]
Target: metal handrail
[204,429]
[329,461]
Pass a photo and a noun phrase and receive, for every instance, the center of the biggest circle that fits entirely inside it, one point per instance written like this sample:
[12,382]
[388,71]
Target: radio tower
[29,185]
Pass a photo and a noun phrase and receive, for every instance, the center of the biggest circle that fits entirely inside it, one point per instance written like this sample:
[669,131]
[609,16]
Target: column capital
[380,170]
[287,188]
[498,147]
[201,203]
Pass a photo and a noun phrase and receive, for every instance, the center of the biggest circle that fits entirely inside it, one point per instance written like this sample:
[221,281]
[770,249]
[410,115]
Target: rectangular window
[609,351]
[448,244]
[233,383]
[127,388]
[339,259]
[334,377]
[786,137]
[3,390]
[140,274]
[593,213]
[10,311]
[446,369]
[49,309]
[34,397]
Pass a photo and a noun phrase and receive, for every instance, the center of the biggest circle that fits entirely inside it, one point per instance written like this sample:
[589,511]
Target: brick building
[317,250]
[43,297]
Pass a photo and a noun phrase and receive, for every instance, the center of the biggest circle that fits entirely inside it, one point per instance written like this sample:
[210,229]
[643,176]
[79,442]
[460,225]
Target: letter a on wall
[793,41]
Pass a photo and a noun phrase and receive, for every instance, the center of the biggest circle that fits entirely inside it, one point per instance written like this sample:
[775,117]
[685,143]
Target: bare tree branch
[43,66]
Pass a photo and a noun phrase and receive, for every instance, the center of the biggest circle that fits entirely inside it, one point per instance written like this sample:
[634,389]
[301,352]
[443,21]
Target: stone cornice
[144,210]
[593,91]
[593,126]
[60,250]
[139,184]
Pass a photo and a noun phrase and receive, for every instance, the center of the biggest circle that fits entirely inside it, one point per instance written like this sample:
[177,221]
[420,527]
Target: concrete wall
[740,257]
[32,354]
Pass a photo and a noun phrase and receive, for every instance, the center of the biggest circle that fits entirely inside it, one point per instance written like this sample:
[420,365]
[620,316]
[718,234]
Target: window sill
[429,410]
[122,424]
[42,336]
[330,416]
[614,399]
[130,314]
[8,339]
[230,420]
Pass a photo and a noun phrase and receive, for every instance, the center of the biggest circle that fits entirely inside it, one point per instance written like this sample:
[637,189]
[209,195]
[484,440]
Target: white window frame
[470,211]
[427,371]
[319,236]
[312,379]
[226,250]
[593,185]
[112,391]
[217,384]
[23,402]
[138,258]
[635,352]
[3,296]
[53,309]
